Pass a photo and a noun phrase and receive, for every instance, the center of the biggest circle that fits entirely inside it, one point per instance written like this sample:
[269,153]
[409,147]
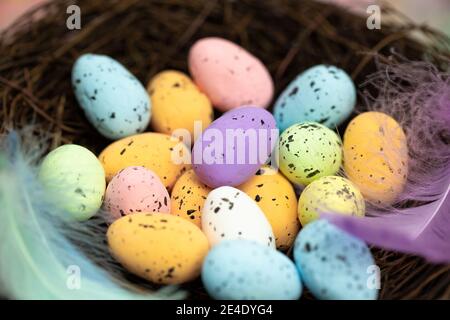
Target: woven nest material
[37,54]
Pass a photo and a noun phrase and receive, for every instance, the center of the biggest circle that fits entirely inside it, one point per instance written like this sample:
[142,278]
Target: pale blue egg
[246,270]
[323,93]
[114,101]
[335,265]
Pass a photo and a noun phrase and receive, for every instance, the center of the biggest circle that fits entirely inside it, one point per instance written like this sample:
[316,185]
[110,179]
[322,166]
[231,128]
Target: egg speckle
[163,249]
[334,265]
[188,196]
[308,151]
[323,93]
[154,151]
[376,156]
[74,178]
[276,197]
[114,101]
[330,194]
[133,190]
[229,75]
[247,270]
[229,213]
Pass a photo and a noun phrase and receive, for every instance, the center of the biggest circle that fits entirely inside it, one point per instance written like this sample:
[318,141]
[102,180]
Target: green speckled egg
[74,177]
[330,194]
[309,151]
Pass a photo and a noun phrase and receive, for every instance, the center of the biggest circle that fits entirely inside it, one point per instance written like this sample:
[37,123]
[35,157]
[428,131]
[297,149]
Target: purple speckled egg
[234,147]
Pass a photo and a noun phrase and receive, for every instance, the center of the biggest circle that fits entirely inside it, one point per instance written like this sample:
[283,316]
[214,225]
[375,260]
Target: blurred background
[435,13]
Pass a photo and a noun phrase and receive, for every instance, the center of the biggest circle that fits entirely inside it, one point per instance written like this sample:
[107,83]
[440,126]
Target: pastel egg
[330,195]
[308,151]
[229,213]
[114,101]
[188,196]
[229,75]
[74,178]
[161,248]
[276,198]
[177,103]
[135,189]
[334,265]
[376,156]
[247,270]
[160,153]
[234,146]
[323,94]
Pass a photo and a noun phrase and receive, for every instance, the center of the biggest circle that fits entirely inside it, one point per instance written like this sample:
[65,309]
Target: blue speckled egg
[335,265]
[114,101]
[323,93]
[247,270]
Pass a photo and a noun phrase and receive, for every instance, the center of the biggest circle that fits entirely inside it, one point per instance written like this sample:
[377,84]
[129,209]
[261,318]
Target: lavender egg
[234,147]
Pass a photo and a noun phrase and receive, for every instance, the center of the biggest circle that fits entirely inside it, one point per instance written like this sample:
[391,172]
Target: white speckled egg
[247,270]
[323,93]
[335,265]
[229,213]
[114,101]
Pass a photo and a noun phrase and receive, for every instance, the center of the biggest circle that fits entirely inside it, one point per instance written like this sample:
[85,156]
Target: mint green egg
[74,179]
[308,151]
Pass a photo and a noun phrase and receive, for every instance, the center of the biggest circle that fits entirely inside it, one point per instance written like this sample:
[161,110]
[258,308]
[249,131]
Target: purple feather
[417,95]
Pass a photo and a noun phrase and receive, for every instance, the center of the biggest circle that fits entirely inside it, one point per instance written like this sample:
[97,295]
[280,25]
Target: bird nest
[37,54]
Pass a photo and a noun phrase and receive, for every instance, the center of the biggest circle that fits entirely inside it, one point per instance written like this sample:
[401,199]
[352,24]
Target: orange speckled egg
[163,249]
[276,197]
[188,196]
[177,103]
[158,152]
[376,156]
[135,189]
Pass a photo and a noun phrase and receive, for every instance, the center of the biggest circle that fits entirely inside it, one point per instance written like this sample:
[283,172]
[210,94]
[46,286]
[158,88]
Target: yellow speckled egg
[155,151]
[276,197]
[163,249]
[330,194]
[376,156]
[177,103]
[188,196]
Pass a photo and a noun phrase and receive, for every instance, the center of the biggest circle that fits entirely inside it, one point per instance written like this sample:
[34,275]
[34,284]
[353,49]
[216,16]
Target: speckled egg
[74,178]
[188,196]
[234,146]
[308,151]
[275,196]
[323,94]
[161,248]
[376,156]
[135,189]
[334,265]
[114,101]
[229,75]
[157,152]
[177,103]
[229,213]
[247,270]
[330,194]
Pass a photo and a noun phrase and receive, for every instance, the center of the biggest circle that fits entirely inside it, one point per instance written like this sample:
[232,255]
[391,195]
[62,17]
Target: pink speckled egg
[229,75]
[135,189]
